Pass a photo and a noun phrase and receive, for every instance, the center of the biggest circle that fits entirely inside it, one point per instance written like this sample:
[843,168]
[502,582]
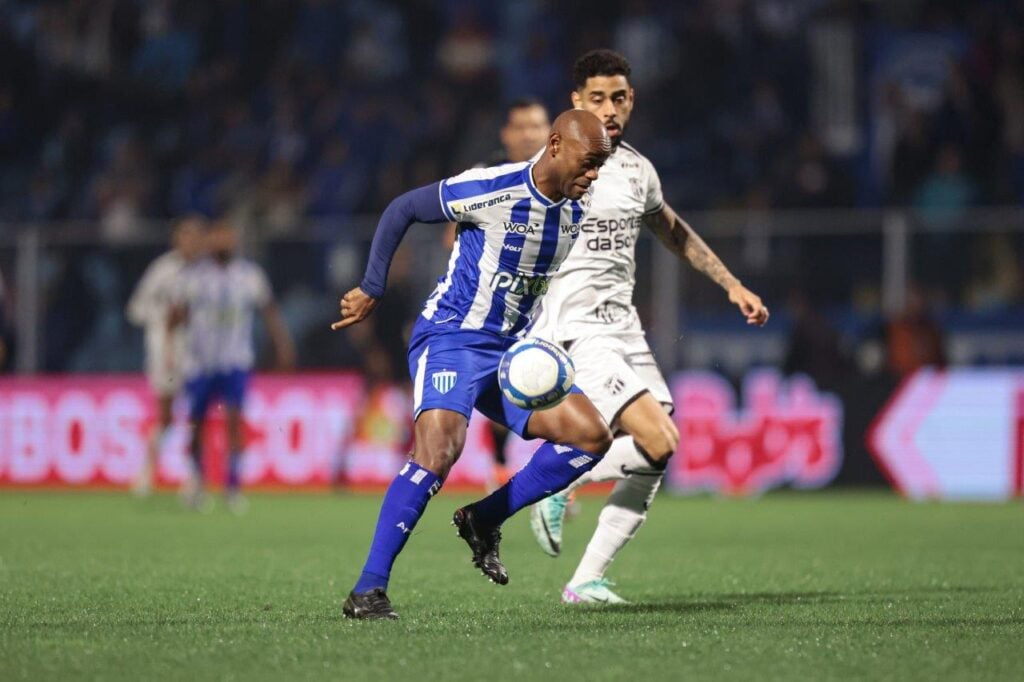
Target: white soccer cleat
[591,592]
[546,518]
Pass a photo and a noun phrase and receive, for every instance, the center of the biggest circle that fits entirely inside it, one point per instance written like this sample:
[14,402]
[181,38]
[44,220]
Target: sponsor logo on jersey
[476,205]
[612,225]
[608,234]
[520,228]
[535,285]
[444,381]
[512,247]
[573,229]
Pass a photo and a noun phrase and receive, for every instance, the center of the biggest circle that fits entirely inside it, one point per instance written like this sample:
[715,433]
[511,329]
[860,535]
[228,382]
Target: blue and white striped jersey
[221,300]
[512,239]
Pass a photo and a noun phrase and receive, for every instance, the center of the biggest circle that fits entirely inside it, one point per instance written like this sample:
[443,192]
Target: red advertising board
[328,429]
[788,432]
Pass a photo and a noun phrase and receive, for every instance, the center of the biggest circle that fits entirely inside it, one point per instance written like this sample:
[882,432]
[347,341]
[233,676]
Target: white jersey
[220,300]
[593,290]
[150,303]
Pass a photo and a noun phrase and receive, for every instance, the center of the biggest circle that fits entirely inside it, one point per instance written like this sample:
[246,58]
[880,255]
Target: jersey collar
[528,174]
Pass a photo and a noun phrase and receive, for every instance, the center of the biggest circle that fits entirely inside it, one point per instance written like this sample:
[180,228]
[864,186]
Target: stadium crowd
[293,117]
[112,110]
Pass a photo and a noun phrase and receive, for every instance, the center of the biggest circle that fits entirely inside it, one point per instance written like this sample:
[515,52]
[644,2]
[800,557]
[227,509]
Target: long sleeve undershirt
[422,205]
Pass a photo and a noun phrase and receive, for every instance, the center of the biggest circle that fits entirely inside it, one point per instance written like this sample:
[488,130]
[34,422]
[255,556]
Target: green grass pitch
[811,586]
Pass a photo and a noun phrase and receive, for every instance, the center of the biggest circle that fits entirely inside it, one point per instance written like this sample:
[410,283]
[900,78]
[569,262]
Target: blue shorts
[457,369]
[229,386]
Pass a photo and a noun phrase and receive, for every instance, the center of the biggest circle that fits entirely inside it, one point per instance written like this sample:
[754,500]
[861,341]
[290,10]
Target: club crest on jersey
[444,381]
[638,190]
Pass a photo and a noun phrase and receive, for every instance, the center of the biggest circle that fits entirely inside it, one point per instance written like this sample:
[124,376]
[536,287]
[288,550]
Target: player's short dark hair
[525,103]
[599,63]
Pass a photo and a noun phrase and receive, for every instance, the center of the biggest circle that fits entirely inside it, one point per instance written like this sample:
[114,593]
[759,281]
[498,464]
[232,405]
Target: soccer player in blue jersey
[215,299]
[517,223]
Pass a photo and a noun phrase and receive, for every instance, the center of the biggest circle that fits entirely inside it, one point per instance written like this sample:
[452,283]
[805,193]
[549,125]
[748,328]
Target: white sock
[622,454]
[620,519]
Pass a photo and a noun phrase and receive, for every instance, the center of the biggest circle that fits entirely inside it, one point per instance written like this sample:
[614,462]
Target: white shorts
[615,369]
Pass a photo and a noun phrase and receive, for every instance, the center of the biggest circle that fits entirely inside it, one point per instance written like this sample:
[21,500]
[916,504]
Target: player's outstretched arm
[422,205]
[677,235]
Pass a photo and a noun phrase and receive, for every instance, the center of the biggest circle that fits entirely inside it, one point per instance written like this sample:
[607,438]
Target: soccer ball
[535,374]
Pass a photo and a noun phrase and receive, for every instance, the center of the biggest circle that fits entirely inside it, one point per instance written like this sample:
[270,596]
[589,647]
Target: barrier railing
[65,286]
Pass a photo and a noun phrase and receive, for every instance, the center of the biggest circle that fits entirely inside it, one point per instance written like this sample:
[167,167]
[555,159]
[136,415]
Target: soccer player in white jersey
[215,300]
[148,308]
[589,310]
[517,223]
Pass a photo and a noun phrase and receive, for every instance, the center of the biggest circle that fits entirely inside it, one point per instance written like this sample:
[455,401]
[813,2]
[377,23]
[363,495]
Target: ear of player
[536,374]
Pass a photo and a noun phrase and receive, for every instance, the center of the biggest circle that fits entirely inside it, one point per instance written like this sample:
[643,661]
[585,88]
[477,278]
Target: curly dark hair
[599,63]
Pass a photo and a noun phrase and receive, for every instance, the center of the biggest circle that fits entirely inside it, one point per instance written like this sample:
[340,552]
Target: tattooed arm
[679,237]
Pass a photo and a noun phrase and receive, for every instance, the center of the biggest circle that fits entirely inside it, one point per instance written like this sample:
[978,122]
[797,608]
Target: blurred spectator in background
[123,192]
[812,180]
[997,281]
[148,308]
[814,347]
[914,338]
[912,159]
[947,191]
[1009,97]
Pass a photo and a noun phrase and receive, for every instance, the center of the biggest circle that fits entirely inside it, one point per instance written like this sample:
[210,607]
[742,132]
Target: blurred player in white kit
[215,301]
[148,308]
[589,310]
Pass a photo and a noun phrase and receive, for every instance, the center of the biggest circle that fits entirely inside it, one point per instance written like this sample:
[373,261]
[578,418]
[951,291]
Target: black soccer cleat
[372,605]
[484,541]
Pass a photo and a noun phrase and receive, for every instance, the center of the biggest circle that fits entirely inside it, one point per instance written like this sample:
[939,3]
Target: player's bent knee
[660,442]
[438,457]
[595,439]
[439,454]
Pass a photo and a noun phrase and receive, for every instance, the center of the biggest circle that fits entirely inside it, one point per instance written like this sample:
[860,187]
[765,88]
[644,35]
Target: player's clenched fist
[355,306]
